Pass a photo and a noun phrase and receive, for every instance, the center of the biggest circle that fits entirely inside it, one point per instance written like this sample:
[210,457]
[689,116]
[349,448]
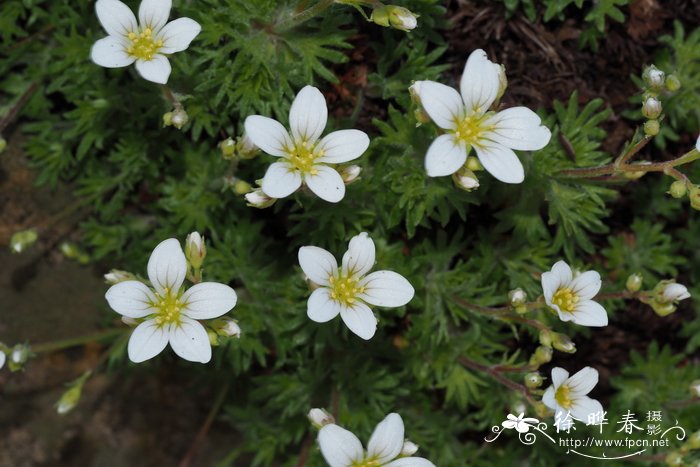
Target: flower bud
[464,179]
[258,199]
[195,250]
[563,343]
[3,357]
[100,103]
[22,240]
[673,84]
[693,441]
[517,297]
[674,292]
[652,108]
[541,410]
[634,282]
[116,276]
[241,188]
[653,77]
[213,338]
[502,82]
[228,327]
[546,337]
[409,448]
[414,91]
[663,309]
[19,354]
[228,148]
[533,380]
[179,118]
[473,164]
[129,321]
[246,148]
[694,196]
[394,16]
[350,173]
[541,356]
[678,189]
[71,397]
[697,144]
[3,144]
[320,418]
[651,127]
[694,388]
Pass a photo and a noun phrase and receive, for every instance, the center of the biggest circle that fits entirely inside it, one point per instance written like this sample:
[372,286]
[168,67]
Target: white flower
[347,290]
[520,423]
[305,159]
[468,123]
[3,357]
[674,292]
[341,448]
[147,42]
[571,296]
[569,395]
[170,315]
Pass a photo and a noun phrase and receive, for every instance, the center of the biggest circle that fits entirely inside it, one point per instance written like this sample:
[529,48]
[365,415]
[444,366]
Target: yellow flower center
[303,155]
[143,46]
[168,308]
[565,299]
[562,396]
[470,129]
[372,462]
[344,289]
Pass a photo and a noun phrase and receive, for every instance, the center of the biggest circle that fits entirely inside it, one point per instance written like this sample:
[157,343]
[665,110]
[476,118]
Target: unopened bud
[652,108]
[674,292]
[116,276]
[541,410]
[663,309]
[653,77]
[71,397]
[408,449]
[545,337]
[320,418]
[563,343]
[179,118]
[3,144]
[228,327]
[502,82]
[69,250]
[3,357]
[394,16]
[228,148]
[19,354]
[693,441]
[473,164]
[414,90]
[350,173]
[651,127]
[533,380]
[541,356]
[678,189]
[258,199]
[634,282]
[694,196]
[100,103]
[213,338]
[195,250]
[22,240]
[246,148]
[464,179]
[517,297]
[695,388]
[673,84]
[241,187]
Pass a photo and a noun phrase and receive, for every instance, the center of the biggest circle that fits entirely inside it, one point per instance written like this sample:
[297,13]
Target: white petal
[281,180]
[208,300]
[386,288]
[343,146]
[500,162]
[548,398]
[3,357]
[445,156]
[586,285]
[559,375]
[518,128]
[156,70]
[550,284]
[585,406]
[131,298]
[360,320]
[442,103]
[318,264]
[480,83]
[321,307]
[339,447]
[387,440]
[116,17]
[154,13]
[110,52]
[561,276]
[326,183]
[147,341]
[359,258]
[190,340]
[308,115]
[178,34]
[697,144]
[268,134]
[589,313]
[167,266]
[583,382]
[410,462]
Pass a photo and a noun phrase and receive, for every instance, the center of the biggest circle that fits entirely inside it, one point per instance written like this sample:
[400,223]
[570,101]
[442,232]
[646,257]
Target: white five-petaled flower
[520,423]
[147,42]
[571,297]
[170,314]
[341,448]
[347,290]
[305,158]
[569,395]
[468,123]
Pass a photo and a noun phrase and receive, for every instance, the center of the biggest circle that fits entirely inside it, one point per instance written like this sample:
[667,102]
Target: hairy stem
[76,341]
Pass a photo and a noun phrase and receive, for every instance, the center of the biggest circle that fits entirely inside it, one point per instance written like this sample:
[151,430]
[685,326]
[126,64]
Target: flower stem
[15,109]
[495,374]
[76,341]
[303,16]
[620,165]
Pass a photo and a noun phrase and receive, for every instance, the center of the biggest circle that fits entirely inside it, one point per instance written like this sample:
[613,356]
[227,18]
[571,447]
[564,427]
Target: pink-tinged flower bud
[229,327]
[652,108]
[320,418]
[350,173]
[258,199]
[674,292]
[195,249]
